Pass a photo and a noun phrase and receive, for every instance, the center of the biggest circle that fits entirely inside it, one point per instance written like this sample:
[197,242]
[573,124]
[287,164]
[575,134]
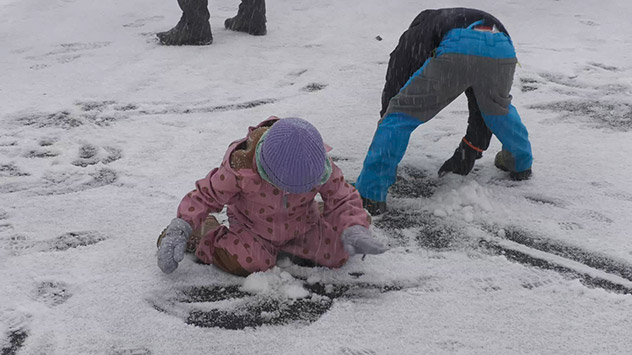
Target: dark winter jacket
[421,39]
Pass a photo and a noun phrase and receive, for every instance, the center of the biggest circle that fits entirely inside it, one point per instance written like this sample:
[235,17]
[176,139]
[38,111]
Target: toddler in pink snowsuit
[268,181]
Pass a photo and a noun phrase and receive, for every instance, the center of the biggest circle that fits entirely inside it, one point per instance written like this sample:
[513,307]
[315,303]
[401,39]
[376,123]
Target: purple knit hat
[293,155]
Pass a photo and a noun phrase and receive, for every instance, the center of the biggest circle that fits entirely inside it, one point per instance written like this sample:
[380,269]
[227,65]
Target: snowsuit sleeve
[343,205]
[219,188]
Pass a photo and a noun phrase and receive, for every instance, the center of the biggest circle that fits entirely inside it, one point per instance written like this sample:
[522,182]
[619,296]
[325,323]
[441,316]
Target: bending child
[268,181]
[442,54]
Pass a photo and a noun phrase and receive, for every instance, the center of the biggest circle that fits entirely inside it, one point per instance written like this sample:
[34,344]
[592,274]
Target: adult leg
[250,18]
[193,28]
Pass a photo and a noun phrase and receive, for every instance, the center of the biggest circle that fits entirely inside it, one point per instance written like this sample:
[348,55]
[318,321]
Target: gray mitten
[172,246]
[358,240]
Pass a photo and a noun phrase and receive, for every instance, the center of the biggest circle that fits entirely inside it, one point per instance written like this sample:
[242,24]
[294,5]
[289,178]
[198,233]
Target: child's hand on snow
[358,240]
[172,246]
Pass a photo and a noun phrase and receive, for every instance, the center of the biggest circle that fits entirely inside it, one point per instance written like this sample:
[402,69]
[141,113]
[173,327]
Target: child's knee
[228,262]
[241,264]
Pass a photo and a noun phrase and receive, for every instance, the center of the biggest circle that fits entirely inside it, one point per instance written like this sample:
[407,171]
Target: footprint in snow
[14,342]
[90,154]
[545,200]
[311,87]
[52,293]
[351,351]
[141,22]
[130,351]
[569,226]
[20,244]
[595,216]
[11,170]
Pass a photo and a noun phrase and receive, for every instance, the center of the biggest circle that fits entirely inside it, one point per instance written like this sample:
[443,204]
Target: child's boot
[503,160]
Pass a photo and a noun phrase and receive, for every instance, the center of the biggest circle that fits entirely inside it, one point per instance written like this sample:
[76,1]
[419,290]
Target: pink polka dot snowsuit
[265,220]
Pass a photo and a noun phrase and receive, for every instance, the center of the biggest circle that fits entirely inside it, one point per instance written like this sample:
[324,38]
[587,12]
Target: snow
[274,281]
[102,132]
[463,201]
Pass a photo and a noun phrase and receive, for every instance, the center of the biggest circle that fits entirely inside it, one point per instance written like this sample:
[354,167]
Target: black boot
[251,18]
[186,35]
[375,208]
[193,28]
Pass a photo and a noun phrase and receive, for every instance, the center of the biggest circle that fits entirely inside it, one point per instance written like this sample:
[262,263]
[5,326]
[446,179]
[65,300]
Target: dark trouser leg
[478,134]
[193,28]
[471,147]
[250,18]
[194,12]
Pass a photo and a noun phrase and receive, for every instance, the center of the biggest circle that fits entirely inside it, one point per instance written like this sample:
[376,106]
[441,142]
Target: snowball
[257,282]
[295,291]
[274,281]
[313,279]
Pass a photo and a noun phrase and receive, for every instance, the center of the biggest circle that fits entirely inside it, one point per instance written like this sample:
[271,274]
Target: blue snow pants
[466,58]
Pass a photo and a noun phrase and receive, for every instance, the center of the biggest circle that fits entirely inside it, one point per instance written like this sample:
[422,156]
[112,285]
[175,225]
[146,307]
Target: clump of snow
[284,262]
[314,279]
[463,201]
[275,281]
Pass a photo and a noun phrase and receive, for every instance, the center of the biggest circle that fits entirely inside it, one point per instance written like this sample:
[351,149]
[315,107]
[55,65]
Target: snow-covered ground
[102,131]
